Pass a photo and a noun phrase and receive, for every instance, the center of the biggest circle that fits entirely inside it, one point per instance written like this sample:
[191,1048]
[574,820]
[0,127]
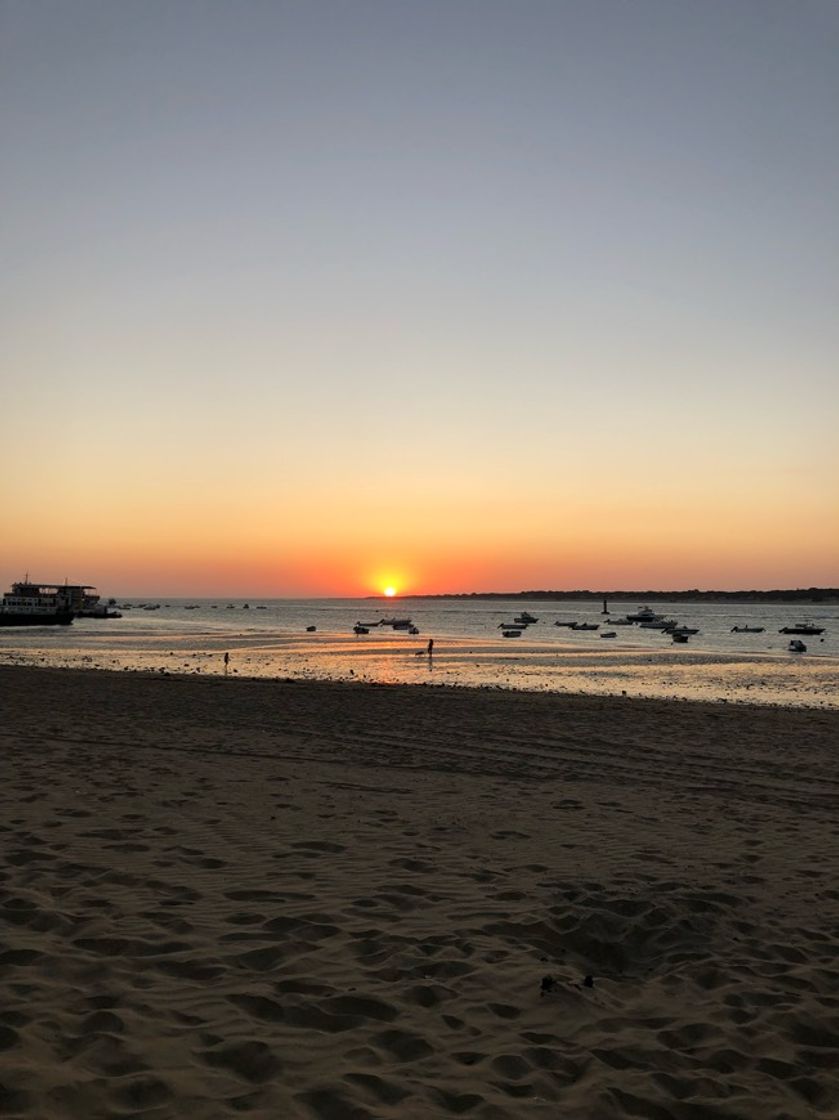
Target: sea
[272,638]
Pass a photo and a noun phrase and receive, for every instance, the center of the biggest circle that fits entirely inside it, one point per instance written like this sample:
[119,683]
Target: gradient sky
[310,297]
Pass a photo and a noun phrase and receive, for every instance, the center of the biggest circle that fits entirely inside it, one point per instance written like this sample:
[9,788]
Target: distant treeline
[796,595]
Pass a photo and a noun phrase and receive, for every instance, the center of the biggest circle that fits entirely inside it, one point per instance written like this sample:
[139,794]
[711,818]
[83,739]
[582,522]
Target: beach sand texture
[225,898]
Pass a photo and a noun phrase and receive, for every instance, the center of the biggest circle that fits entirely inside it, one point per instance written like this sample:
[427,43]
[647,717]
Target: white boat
[52,604]
[38,604]
[91,607]
[646,614]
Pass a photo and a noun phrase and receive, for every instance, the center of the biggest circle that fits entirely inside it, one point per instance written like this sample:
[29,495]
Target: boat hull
[21,618]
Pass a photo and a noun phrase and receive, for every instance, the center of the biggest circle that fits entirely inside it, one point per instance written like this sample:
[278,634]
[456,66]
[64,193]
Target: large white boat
[38,604]
[52,604]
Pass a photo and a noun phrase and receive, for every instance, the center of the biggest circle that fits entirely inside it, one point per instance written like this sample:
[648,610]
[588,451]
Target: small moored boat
[797,646]
[646,614]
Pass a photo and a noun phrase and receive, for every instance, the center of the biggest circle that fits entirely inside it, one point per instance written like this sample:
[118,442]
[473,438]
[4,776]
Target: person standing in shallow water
[226,662]
[430,647]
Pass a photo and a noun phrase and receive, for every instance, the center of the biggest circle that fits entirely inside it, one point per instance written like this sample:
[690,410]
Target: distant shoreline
[814,595]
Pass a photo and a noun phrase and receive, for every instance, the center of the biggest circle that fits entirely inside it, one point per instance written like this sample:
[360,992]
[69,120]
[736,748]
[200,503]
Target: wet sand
[261,898]
[590,666]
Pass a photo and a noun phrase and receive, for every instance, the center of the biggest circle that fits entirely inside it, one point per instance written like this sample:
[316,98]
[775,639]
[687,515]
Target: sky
[311,298]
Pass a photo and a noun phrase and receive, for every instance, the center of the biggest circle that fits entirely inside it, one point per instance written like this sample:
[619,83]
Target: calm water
[269,638]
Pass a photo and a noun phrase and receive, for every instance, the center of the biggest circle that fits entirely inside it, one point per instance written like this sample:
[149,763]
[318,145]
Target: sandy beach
[342,901]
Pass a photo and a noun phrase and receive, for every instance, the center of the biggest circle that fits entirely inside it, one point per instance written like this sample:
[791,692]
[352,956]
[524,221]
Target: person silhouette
[430,646]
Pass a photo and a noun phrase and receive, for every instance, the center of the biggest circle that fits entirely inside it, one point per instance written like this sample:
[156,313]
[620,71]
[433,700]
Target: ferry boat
[52,604]
[39,604]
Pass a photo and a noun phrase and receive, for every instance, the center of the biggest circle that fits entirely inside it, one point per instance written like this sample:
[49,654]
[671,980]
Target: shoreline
[757,678]
[358,682]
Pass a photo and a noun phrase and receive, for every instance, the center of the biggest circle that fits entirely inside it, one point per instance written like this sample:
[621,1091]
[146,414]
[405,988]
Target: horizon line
[547,592]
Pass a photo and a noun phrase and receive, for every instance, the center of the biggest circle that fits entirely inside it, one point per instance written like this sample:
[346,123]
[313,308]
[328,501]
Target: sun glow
[390,592]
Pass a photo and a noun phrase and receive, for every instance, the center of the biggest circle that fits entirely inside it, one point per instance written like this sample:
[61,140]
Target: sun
[390,592]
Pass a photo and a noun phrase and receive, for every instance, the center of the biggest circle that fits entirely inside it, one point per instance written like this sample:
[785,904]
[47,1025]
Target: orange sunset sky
[317,299]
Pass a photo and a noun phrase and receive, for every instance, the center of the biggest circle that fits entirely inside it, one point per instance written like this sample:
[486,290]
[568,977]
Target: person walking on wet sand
[226,663]
[430,647]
